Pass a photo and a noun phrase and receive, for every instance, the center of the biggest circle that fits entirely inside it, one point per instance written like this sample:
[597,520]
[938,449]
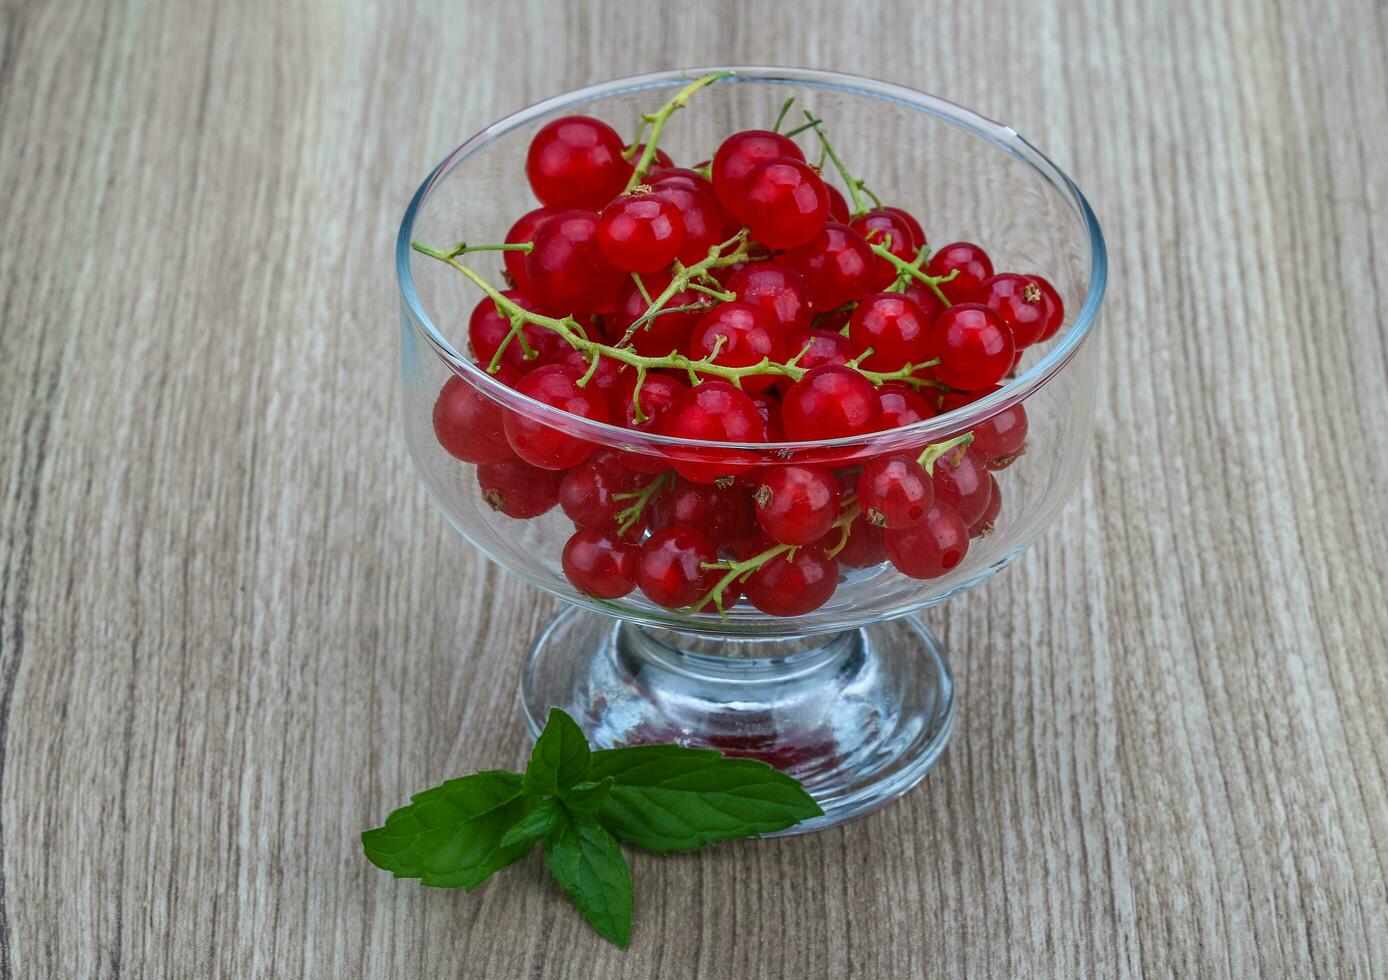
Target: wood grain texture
[231,634]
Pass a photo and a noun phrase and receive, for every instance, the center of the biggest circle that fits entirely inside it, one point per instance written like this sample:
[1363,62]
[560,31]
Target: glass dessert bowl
[752,592]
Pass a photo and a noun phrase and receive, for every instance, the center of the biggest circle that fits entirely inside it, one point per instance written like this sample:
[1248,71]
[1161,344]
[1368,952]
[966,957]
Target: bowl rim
[938,426]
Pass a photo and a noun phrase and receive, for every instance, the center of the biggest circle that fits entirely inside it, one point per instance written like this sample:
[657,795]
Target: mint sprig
[667,798]
[579,804]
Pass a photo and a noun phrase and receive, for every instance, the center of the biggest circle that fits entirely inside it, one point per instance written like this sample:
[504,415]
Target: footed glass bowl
[853,698]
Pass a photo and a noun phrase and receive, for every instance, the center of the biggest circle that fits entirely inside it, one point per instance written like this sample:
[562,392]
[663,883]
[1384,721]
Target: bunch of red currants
[737,301]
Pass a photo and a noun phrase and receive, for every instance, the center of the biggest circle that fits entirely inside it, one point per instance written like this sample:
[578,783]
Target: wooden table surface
[230,628]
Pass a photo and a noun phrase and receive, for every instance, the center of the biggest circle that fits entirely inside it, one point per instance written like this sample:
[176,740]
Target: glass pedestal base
[858,717]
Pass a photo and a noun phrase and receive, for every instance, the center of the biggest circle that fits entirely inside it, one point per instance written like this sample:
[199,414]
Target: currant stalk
[686,276]
[935,450]
[852,510]
[781,116]
[849,511]
[571,331]
[903,279]
[656,120]
[857,187]
[735,570]
[628,517]
[913,271]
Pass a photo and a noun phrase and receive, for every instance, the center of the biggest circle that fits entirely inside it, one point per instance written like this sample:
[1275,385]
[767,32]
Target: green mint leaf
[589,865]
[670,798]
[560,758]
[534,825]
[451,835]
[587,797]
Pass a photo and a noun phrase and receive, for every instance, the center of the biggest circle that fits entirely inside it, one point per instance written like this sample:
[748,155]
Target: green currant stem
[572,333]
[686,275]
[641,288]
[935,450]
[734,571]
[628,516]
[781,116]
[852,510]
[814,121]
[462,248]
[803,351]
[849,512]
[722,295]
[854,362]
[857,187]
[630,151]
[657,122]
[684,309]
[903,279]
[515,333]
[911,269]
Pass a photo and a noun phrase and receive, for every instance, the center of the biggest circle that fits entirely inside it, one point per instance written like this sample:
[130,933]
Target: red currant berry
[576,162]
[663,333]
[820,347]
[973,267]
[567,267]
[670,567]
[793,586]
[797,504]
[1020,303]
[837,263]
[838,207]
[600,563]
[587,493]
[829,402]
[739,154]
[784,203]
[948,401]
[747,339]
[932,548]
[658,393]
[912,225]
[886,228]
[780,291]
[521,233]
[640,232]
[974,347]
[961,484]
[901,406]
[714,411]
[984,525]
[999,439]
[723,513]
[518,489]
[895,491]
[680,175]
[705,224]
[540,443]
[924,297]
[1055,309]
[894,327]
[488,327]
[864,547]
[468,424]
